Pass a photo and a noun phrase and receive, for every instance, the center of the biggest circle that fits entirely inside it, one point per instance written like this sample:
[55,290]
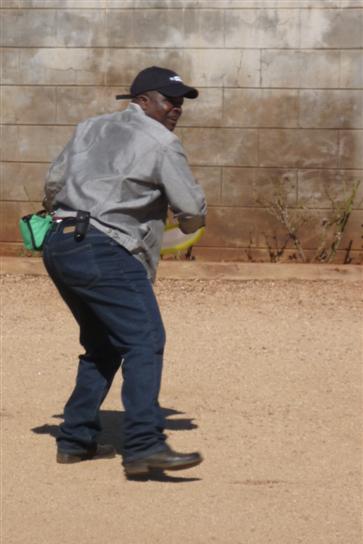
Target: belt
[58,219]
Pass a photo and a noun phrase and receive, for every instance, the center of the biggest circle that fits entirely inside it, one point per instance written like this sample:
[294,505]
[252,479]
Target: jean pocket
[77,266]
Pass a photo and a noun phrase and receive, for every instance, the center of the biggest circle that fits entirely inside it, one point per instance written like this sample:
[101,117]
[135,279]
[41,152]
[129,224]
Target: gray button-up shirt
[126,169]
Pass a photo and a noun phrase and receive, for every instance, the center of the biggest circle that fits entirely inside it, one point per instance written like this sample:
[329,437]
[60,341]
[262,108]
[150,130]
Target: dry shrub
[292,219]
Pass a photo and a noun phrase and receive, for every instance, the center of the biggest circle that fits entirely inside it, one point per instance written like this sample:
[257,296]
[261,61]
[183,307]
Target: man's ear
[143,101]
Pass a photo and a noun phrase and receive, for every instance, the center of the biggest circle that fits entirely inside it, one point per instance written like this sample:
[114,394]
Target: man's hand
[190,223]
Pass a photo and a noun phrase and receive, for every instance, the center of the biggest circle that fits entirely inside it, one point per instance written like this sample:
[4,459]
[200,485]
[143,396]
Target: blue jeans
[110,296]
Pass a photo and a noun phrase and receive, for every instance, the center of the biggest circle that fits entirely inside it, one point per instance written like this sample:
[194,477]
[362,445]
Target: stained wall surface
[281,96]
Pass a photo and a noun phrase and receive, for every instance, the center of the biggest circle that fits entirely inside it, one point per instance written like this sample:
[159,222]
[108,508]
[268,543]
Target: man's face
[166,110]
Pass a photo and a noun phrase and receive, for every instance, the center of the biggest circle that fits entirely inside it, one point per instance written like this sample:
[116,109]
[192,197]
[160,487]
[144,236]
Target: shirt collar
[135,107]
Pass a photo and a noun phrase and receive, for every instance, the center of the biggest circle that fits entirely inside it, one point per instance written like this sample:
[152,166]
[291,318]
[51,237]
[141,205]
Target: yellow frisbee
[175,240]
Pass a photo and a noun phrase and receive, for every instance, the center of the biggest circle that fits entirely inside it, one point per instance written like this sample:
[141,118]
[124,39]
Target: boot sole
[144,468]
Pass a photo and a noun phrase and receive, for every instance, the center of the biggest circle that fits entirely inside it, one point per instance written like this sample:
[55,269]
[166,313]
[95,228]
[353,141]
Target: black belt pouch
[82,223]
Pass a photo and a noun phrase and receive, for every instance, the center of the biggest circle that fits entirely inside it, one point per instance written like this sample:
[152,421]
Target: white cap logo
[176,78]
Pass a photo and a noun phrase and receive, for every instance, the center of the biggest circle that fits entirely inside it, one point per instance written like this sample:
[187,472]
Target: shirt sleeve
[185,196]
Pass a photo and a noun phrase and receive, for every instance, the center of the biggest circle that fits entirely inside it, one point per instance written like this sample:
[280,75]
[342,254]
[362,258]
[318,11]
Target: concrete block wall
[281,96]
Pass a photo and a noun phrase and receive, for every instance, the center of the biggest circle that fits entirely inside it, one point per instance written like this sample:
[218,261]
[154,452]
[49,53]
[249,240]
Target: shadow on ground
[112,424]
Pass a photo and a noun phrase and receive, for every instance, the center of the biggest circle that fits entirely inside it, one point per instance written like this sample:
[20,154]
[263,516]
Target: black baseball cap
[159,79]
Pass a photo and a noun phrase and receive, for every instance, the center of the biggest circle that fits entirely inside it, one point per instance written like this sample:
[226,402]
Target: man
[110,190]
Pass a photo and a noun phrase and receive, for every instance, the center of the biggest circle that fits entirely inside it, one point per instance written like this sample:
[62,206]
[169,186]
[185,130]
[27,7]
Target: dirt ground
[263,377]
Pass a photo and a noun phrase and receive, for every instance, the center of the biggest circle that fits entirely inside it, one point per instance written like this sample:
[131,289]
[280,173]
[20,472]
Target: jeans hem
[72,449]
[142,454]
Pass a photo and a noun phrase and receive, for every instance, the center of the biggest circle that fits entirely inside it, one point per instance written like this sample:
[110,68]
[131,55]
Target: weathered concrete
[190,4]
[261,108]
[331,109]
[221,146]
[33,143]
[298,148]
[317,189]
[281,99]
[248,186]
[22,181]
[350,149]
[300,69]
[267,28]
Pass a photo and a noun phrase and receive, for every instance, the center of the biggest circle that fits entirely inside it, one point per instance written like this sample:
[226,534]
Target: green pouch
[33,229]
